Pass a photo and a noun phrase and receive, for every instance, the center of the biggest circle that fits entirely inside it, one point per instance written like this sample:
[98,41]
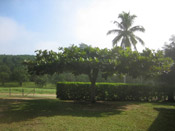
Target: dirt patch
[19,94]
[29,97]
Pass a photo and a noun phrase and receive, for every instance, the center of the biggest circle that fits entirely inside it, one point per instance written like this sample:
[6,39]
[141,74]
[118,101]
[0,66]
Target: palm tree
[125,33]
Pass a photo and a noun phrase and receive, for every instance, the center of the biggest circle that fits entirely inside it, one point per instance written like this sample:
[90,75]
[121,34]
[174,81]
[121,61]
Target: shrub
[73,90]
[110,91]
[41,81]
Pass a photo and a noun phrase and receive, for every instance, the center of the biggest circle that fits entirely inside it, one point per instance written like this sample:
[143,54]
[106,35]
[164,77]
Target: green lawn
[28,89]
[53,114]
[27,85]
[16,90]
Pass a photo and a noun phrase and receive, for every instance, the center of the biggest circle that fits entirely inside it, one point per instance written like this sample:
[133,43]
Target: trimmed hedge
[110,91]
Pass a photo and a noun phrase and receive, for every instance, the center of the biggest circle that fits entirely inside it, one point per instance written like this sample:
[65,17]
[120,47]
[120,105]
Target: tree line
[13,69]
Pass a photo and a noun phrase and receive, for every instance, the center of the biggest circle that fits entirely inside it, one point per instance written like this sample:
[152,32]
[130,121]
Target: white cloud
[15,38]
[8,30]
[156,16]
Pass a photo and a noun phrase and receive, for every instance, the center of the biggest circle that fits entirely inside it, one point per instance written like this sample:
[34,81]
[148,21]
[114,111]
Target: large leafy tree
[126,31]
[148,63]
[87,60]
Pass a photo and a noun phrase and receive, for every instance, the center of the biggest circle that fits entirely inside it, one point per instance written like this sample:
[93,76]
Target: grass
[54,114]
[28,89]
[28,85]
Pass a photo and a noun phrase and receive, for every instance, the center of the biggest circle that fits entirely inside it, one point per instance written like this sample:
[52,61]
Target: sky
[30,25]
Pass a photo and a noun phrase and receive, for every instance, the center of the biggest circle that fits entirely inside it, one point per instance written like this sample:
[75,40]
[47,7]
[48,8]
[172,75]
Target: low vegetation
[29,89]
[68,115]
[19,90]
[113,92]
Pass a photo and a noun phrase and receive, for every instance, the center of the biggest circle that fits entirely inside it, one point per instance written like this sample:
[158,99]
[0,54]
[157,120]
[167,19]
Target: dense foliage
[168,78]
[41,81]
[4,73]
[12,68]
[92,61]
[111,91]
[17,72]
[88,60]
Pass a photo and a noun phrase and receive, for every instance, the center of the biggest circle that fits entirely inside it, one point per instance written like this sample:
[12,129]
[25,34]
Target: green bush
[73,90]
[110,91]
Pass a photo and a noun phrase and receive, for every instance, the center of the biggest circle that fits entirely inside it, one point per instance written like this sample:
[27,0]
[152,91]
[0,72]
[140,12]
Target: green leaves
[20,74]
[88,60]
[4,73]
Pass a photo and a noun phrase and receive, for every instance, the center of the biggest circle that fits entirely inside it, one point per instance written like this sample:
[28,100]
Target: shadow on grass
[23,110]
[165,120]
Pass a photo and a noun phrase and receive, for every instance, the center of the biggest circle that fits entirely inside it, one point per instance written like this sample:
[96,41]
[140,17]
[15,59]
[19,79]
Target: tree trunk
[93,77]
[170,98]
[124,79]
[171,95]
[93,92]
[141,79]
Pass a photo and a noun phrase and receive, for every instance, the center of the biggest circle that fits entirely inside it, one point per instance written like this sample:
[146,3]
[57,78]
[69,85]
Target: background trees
[126,31]
[18,70]
[20,74]
[41,81]
[12,68]
[168,78]
[169,48]
[4,73]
